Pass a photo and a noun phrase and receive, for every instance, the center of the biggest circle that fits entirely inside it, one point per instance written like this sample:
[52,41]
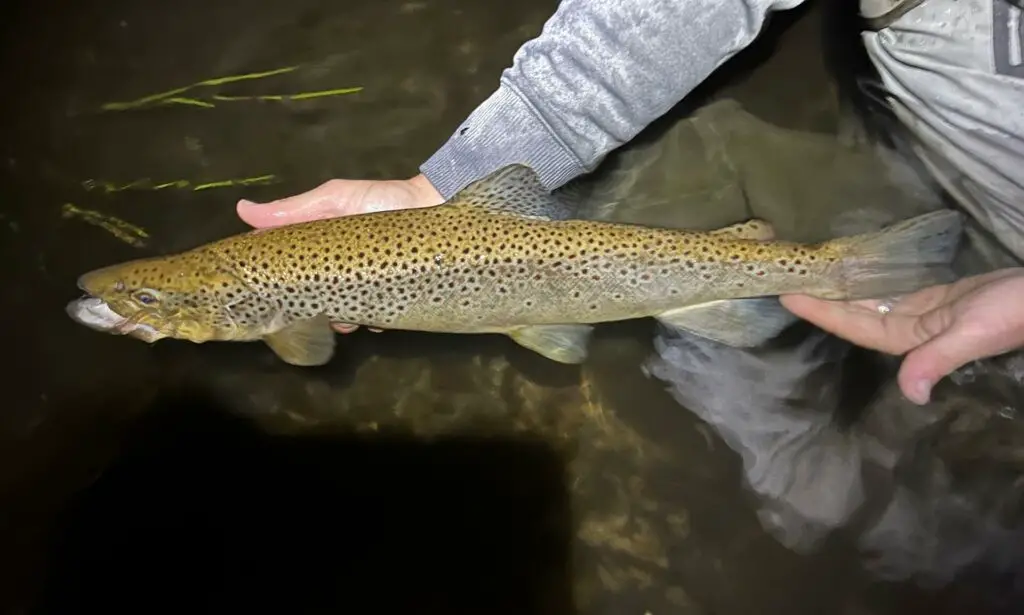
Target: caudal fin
[901,258]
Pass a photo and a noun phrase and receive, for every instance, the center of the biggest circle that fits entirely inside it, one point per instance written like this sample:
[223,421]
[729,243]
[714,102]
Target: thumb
[948,348]
[324,201]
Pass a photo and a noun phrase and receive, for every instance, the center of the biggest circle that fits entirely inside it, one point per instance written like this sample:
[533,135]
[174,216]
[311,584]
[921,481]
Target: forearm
[600,72]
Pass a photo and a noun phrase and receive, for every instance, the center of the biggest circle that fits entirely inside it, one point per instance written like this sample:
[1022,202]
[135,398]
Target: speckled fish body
[504,256]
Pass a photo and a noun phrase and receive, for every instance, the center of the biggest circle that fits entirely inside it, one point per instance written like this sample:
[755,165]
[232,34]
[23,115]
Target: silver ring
[886,305]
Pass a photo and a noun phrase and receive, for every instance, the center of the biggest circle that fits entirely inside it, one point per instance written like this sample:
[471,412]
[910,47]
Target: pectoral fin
[752,230]
[742,323]
[305,343]
[562,343]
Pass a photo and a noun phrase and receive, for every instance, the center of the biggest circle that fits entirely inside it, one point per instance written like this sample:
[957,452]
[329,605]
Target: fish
[503,256]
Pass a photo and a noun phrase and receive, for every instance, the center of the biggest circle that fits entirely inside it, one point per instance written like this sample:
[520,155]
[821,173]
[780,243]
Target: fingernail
[920,391]
[246,203]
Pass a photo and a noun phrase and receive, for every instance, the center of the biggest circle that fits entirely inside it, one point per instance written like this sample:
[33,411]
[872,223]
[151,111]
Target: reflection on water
[959,496]
[796,457]
[947,488]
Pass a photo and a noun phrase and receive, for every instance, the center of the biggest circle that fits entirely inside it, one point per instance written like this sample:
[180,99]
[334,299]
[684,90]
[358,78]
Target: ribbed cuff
[503,130]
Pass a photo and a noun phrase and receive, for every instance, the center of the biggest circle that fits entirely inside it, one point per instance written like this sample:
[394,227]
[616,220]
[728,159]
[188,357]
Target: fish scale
[505,256]
[477,270]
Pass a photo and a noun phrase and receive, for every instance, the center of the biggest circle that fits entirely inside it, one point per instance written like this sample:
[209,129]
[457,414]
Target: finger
[949,348]
[968,285]
[343,327]
[953,345]
[854,322]
[325,201]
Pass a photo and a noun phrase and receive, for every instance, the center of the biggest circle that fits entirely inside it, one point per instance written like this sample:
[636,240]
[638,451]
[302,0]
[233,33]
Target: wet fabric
[955,71]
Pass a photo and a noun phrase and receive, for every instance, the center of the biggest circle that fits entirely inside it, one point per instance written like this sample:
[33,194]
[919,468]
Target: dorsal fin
[515,189]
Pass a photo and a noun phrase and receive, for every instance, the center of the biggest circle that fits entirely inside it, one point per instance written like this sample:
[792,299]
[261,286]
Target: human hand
[341,197]
[939,329]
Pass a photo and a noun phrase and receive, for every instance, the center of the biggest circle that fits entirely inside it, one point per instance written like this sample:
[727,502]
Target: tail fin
[901,258]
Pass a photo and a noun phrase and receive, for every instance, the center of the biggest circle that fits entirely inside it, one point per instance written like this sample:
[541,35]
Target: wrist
[424,192]
[505,129]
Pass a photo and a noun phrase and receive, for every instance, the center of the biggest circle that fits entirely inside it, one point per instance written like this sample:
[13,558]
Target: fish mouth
[96,314]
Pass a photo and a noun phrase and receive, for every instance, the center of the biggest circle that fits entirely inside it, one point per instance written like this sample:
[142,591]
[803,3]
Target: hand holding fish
[939,329]
[341,197]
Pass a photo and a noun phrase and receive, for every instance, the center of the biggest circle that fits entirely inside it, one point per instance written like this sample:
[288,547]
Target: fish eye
[145,297]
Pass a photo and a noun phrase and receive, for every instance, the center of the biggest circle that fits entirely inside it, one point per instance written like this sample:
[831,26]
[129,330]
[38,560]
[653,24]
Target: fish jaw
[96,314]
[192,296]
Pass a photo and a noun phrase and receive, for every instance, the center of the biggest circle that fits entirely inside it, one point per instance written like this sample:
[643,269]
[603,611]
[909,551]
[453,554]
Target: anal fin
[561,343]
[742,323]
[305,343]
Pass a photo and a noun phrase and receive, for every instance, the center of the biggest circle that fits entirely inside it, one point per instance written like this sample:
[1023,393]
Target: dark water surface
[415,473]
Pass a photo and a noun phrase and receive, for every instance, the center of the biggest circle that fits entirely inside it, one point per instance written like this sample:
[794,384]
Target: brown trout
[503,256]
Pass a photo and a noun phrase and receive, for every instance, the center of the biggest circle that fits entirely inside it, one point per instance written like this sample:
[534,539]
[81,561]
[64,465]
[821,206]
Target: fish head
[193,297]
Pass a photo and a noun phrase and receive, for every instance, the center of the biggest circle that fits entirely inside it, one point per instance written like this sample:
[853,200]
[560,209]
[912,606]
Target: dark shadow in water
[354,349]
[256,360]
[202,512]
[862,376]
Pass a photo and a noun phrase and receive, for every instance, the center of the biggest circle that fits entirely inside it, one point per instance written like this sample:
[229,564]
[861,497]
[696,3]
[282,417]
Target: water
[436,473]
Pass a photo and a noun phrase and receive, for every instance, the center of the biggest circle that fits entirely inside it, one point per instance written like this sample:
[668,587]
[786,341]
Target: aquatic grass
[109,187]
[125,231]
[174,96]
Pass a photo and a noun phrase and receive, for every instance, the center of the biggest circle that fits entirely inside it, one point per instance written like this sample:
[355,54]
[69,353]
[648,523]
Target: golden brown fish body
[446,269]
[502,257]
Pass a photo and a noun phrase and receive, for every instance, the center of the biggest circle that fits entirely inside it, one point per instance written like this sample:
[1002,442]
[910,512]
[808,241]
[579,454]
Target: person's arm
[600,71]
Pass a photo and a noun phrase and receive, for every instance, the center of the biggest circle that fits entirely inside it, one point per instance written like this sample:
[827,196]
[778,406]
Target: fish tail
[899,259]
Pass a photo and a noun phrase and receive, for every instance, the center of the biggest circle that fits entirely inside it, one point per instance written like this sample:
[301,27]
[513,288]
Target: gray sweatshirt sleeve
[600,71]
